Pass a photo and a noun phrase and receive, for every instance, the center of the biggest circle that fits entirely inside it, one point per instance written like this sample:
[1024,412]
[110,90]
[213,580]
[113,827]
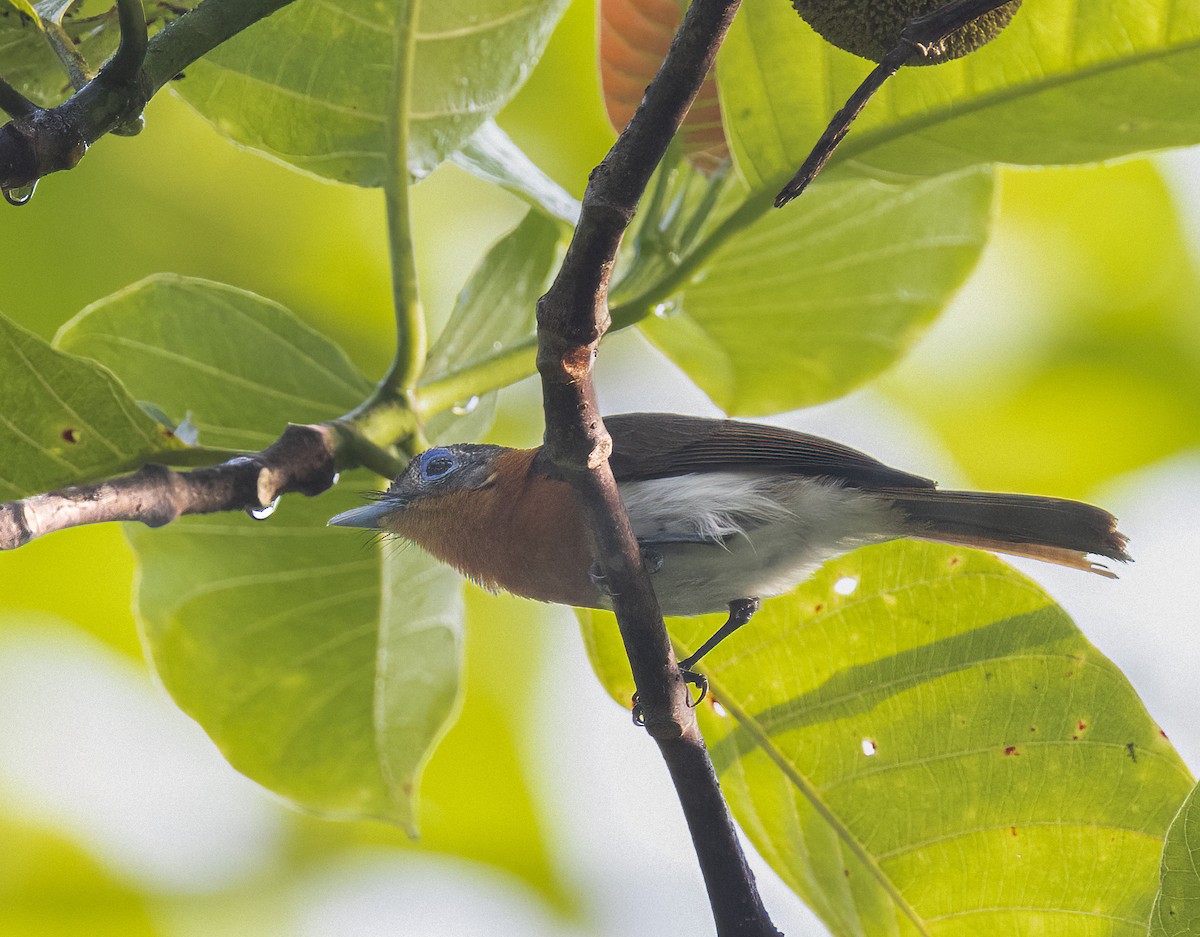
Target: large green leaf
[920,741]
[1177,908]
[323,667]
[241,366]
[495,308]
[64,420]
[312,84]
[1066,82]
[805,305]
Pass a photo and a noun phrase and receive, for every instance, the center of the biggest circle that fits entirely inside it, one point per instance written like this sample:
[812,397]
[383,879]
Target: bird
[726,513]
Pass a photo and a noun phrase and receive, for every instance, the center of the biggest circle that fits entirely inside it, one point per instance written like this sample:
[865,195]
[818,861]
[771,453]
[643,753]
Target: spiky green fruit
[871,28]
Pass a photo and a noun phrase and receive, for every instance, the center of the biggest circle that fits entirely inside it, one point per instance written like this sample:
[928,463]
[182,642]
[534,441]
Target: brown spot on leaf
[1082,726]
[1033,728]
[68,435]
[818,607]
[1012,830]
[1132,752]
[1011,750]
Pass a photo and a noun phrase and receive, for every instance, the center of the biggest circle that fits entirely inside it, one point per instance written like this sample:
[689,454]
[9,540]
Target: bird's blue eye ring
[437,463]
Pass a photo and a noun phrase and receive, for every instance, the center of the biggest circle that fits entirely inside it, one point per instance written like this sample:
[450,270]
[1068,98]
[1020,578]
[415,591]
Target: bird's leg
[740,612]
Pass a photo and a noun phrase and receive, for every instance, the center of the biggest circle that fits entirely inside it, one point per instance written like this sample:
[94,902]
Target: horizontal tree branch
[303,460]
[572,318]
[47,140]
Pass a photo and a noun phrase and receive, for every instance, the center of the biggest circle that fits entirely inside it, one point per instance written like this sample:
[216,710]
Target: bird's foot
[691,677]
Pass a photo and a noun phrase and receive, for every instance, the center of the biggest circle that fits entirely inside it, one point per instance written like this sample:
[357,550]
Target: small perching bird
[726,512]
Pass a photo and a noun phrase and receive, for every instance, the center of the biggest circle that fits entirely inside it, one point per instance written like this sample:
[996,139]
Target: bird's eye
[438,463]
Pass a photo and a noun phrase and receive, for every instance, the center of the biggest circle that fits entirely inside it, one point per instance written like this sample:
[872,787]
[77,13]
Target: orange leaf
[634,38]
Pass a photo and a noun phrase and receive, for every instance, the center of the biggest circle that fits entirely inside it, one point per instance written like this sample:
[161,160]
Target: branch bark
[572,318]
[301,460]
[47,140]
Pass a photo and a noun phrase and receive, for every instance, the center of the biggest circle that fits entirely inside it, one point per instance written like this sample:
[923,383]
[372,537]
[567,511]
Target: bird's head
[435,474]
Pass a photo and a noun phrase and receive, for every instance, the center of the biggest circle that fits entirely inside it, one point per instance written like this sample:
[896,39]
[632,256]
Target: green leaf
[24,6]
[311,84]
[324,668]
[65,420]
[495,308]
[1177,906]
[1066,82]
[804,306]
[240,365]
[490,154]
[920,741]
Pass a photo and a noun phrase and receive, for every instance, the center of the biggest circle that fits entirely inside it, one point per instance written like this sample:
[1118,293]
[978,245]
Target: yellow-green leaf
[921,742]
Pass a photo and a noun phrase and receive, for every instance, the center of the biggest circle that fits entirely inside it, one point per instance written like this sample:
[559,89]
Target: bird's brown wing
[658,445]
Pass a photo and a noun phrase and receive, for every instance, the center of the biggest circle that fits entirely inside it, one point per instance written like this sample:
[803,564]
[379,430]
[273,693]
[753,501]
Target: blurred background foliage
[1070,360]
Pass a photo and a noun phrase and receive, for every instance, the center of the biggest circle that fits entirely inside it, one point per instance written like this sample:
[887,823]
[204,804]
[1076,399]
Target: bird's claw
[691,677]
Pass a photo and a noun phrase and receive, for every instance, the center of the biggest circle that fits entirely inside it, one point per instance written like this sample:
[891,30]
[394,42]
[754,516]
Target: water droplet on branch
[19,194]
[261,514]
[467,406]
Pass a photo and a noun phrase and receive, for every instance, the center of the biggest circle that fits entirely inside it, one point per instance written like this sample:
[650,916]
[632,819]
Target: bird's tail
[1051,529]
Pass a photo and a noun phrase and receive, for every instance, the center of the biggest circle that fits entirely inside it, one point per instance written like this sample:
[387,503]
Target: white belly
[736,535]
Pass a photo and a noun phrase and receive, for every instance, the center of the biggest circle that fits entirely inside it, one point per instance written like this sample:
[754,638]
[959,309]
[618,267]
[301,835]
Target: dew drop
[846,585]
[497,346]
[869,748]
[19,194]
[666,310]
[465,407]
[261,514]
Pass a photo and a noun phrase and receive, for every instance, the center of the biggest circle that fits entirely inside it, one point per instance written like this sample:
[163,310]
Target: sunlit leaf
[224,356]
[490,154]
[494,309]
[804,306]
[324,667]
[634,36]
[1066,82]
[24,6]
[64,420]
[1080,328]
[1177,907]
[312,84]
[920,741]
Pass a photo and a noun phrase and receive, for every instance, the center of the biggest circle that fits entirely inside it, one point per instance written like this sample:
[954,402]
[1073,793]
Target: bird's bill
[369,516]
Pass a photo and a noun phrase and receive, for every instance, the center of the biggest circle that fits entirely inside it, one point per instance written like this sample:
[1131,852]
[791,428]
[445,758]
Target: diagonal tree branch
[46,140]
[572,318]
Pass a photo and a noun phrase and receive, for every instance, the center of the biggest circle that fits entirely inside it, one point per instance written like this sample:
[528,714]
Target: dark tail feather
[1051,529]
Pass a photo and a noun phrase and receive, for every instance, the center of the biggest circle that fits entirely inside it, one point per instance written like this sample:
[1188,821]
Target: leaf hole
[845,586]
[869,747]
[69,435]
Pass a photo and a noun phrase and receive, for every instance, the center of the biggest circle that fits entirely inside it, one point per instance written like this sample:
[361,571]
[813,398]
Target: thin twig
[127,61]
[47,140]
[923,36]
[13,103]
[572,318]
[301,460]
